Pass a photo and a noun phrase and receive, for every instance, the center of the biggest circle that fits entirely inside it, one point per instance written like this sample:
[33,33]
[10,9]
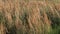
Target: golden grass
[20,17]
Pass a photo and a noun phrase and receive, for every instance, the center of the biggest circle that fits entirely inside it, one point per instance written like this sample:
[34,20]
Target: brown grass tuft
[21,17]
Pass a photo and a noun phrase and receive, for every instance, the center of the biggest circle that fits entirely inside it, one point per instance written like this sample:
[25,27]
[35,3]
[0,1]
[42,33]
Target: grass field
[29,16]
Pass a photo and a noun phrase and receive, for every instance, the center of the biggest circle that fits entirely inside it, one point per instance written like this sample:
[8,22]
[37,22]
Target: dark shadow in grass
[12,30]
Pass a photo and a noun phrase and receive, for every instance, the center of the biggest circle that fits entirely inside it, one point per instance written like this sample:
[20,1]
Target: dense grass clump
[29,17]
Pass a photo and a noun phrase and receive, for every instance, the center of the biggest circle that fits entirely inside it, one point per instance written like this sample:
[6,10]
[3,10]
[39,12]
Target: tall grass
[29,17]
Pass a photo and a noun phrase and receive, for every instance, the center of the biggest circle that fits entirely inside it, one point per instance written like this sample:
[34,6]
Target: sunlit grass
[29,17]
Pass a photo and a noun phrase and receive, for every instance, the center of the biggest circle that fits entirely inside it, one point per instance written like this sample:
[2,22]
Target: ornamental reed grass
[28,17]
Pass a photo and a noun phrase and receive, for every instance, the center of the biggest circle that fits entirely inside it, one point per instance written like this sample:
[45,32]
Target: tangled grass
[29,17]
